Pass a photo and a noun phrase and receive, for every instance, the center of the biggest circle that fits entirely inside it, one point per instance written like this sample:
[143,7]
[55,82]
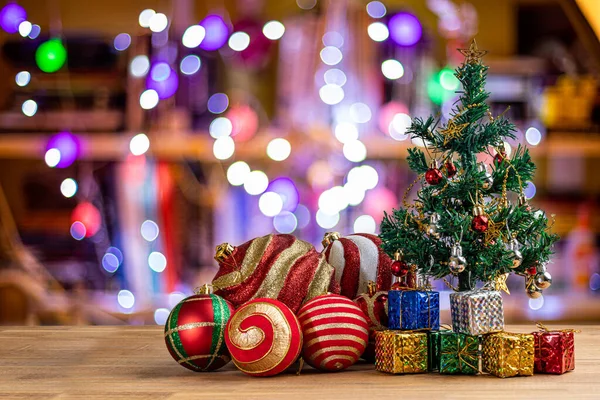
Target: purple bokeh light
[11,15]
[285,188]
[405,29]
[217,33]
[163,79]
[68,145]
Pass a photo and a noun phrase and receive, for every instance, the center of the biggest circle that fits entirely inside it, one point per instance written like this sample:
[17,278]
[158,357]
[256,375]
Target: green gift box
[454,353]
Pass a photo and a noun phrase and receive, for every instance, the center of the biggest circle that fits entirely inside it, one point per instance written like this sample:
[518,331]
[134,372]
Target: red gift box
[554,351]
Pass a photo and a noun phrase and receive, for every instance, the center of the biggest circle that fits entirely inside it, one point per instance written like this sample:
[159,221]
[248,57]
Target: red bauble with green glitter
[194,332]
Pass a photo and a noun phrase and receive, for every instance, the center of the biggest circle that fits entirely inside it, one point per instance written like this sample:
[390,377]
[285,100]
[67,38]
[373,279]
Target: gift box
[554,351]
[401,352]
[508,354]
[454,353]
[476,312]
[413,309]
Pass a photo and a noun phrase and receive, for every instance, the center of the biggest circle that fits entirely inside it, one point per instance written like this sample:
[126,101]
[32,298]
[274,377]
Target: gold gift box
[401,352]
[508,354]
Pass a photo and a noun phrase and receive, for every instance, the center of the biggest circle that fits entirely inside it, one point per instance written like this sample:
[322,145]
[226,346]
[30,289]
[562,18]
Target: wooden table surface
[132,362]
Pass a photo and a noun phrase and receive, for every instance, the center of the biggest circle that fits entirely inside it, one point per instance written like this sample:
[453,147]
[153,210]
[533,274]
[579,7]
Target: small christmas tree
[469,220]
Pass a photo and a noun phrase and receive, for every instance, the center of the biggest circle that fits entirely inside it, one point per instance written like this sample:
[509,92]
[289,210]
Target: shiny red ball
[480,223]
[450,169]
[399,268]
[532,270]
[433,176]
[499,157]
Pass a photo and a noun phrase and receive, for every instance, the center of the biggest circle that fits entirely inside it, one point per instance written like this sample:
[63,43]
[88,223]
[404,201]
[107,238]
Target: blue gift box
[413,309]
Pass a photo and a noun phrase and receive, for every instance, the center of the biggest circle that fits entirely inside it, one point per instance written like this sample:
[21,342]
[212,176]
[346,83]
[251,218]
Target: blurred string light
[237,173]
[52,157]
[25,28]
[365,224]
[335,76]
[126,299]
[217,32]
[273,30]
[145,17]
[35,31]
[86,213]
[331,94]
[163,79]
[239,41]
[160,316]
[175,298]
[270,204]
[68,187]
[333,38]
[355,194]
[399,126]
[279,149]
[360,113]
[67,146]
[51,55]
[149,230]
[285,222]
[302,215]
[193,36]
[220,127]
[533,136]
[11,15]
[333,200]
[149,99]
[122,41]
[376,9]
[405,29]
[244,121]
[331,55]
[256,183]
[29,107]
[392,69]
[190,64]
[139,144]
[158,22]
[218,103]
[536,304]
[306,4]
[346,132]
[110,262]
[364,176]
[595,281]
[78,231]
[439,92]
[223,148]
[355,151]
[288,192]
[529,190]
[160,71]
[507,148]
[157,261]
[448,80]
[378,31]
[139,67]
[327,221]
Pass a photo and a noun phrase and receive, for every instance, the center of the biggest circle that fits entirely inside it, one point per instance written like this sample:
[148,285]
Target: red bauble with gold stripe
[335,332]
[263,337]
[374,305]
[195,332]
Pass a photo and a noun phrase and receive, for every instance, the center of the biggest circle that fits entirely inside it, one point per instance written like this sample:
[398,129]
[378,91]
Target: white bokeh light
[378,31]
[161,315]
[355,151]
[158,22]
[285,222]
[392,69]
[365,224]
[126,299]
[239,41]
[533,136]
[335,76]
[237,173]
[149,99]
[399,126]
[139,66]
[331,55]
[507,149]
[145,16]
[22,78]
[139,144]
[327,221]
[190,64]
[149,230]
[256,183]
[25,28]
[223,148]
[68,187]
[360,113]
[355,193]
[157,261]
[273,30]
[52,157]
[29,107]
[346,132]
[331,94]
[193,36]
[279,149]
[270,204]
[376,9]
[220,127]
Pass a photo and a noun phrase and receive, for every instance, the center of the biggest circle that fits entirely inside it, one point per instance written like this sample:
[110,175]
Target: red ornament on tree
[399,268]
[532,270]
[499,157]
[480,220]
[434,176]
[450,169]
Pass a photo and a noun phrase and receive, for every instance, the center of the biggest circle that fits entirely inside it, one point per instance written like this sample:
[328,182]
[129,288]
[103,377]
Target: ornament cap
[223,251]
[398,255]
[204,289]
[329,238]
[435,164]
[456,250]
[372,288]
[477,211]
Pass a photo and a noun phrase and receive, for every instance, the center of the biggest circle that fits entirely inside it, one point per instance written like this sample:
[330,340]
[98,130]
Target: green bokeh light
[442,86]
[50,56]
[448,80]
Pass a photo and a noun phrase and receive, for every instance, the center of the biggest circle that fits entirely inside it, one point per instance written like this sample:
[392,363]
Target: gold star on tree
[500,283]
[473,55]
[493,231]
[452,130]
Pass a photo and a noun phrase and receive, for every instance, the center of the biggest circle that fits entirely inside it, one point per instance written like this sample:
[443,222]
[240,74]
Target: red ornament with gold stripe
[279,267]
[335,331]
[263,337]
[358,259]
[194,332]
[374,305]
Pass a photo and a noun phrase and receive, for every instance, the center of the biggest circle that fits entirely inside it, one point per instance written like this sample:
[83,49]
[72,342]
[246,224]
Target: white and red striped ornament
[335,332]
[358,259]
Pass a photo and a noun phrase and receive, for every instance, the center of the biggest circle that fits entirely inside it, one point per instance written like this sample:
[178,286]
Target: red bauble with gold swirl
[263,337]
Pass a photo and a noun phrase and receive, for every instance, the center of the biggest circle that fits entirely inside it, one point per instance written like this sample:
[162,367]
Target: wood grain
[133,363]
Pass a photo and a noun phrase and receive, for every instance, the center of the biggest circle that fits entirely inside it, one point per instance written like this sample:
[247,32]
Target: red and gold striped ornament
[335,332]
[278,267]
[195,332]
[357,259]
[263,337]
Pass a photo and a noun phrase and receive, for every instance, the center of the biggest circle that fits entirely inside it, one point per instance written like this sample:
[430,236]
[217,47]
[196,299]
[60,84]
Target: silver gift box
[476,312]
